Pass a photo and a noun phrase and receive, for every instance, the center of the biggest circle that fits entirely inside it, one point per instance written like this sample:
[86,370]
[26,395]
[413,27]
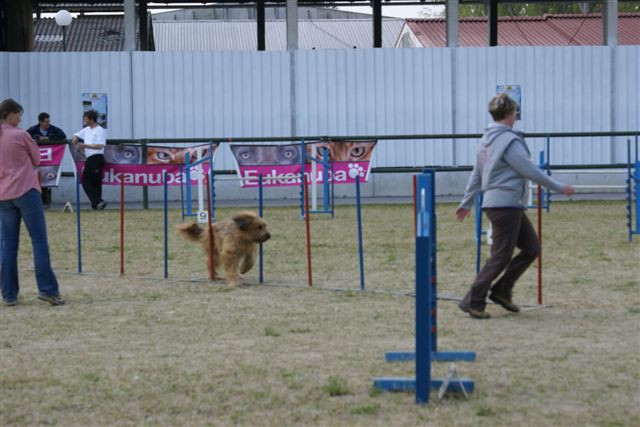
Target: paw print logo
[355,170]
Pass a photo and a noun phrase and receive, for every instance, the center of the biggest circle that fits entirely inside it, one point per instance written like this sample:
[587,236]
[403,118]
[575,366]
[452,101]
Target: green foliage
[485,411]
[336,386]
[270,331]
[536,9]
[531,9]
[366,409]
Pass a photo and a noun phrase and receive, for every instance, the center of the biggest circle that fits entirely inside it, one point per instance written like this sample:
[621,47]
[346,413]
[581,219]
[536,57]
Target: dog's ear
[244,220]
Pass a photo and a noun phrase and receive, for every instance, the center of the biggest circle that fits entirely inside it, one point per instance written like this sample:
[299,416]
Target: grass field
[140,350]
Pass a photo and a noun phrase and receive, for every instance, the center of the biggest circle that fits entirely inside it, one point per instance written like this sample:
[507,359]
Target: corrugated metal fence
[342,92]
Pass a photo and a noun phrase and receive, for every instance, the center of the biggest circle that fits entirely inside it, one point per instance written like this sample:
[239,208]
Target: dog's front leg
[230,261]
[248,262]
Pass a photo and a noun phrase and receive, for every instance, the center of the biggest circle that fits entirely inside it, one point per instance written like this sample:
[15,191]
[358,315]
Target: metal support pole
[452,22]
[292,24]
[129,25]
[144,24]
[376,5]
[610,23]
[260,21]
[492,7]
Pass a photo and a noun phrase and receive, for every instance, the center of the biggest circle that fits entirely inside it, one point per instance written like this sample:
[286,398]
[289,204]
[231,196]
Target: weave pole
[210,257]
[306,219]
[260,212]
[122,227]
[166,224]
[540,245]
[360,248]
[79,238]
[415,206]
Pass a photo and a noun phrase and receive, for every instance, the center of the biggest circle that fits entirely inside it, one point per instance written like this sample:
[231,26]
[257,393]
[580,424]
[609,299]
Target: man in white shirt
[94,139]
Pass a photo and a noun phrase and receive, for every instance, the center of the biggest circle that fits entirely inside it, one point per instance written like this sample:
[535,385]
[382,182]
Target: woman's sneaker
[476,314]
[51,299]
[504,303]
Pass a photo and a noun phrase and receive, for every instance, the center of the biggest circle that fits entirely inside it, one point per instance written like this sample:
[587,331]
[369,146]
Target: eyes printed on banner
[122,154]
[48,175]
[77,153]
[256,155]
[345,151]
[166,155]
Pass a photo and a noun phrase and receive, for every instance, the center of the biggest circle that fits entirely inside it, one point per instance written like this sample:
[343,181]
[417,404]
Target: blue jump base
[437,356]
[400,384]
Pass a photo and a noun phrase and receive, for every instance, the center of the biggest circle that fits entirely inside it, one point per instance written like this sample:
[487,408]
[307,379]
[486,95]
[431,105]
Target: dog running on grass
[236,243]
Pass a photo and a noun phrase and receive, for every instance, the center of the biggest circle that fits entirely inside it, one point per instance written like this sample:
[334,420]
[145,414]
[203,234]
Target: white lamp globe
[63,18]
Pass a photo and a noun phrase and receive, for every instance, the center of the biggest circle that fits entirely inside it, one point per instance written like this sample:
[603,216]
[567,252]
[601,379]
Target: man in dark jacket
[43,133]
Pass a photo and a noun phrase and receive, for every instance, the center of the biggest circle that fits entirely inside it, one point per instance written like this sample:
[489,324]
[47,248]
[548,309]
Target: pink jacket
[19,157]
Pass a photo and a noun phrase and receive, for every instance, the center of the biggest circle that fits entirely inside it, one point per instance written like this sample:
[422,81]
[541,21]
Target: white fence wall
[342,92]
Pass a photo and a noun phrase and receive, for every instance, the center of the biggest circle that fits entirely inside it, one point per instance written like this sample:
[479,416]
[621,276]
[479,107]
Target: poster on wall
[514,93]
[97,102]
[138,166]
[281,165]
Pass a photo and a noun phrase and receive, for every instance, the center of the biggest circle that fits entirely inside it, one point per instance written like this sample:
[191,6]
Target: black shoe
[476,314]
[11,303]
[101,205]
[51,299]
[504,303]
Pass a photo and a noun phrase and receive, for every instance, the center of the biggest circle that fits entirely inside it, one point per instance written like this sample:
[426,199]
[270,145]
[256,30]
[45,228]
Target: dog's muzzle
[264,238]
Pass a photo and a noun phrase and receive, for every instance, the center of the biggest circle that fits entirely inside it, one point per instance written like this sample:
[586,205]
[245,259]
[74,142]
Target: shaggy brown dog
[236,243]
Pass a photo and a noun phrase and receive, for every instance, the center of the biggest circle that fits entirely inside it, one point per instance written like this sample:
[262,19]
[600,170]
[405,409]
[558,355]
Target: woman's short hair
[9,106]
[91,114]
[501,106]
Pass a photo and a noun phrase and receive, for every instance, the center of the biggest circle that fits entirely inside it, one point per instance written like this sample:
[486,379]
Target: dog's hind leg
[248,262]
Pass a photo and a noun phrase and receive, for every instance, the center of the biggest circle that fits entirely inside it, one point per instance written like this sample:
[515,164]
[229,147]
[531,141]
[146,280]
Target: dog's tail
[191,231]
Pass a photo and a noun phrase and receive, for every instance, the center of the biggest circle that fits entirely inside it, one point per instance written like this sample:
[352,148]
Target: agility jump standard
[426,307]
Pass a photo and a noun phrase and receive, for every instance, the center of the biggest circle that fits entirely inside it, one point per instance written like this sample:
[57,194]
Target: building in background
[546,30]
[214,35]
[87,33]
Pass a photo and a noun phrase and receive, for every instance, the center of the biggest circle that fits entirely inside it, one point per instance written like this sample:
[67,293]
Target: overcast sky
[393,11]
[398,11]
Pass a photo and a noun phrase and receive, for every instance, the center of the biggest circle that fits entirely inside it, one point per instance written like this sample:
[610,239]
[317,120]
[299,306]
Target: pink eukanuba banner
[49,169]
[51,155]
[289,175]
[147,175]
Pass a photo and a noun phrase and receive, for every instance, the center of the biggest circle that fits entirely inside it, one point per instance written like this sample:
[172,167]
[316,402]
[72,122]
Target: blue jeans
[28,208]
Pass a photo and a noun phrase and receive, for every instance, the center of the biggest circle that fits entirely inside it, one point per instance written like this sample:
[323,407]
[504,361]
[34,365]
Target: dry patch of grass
[141,351]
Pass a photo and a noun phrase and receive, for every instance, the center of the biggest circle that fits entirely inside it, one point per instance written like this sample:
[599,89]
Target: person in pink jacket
[20,200]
